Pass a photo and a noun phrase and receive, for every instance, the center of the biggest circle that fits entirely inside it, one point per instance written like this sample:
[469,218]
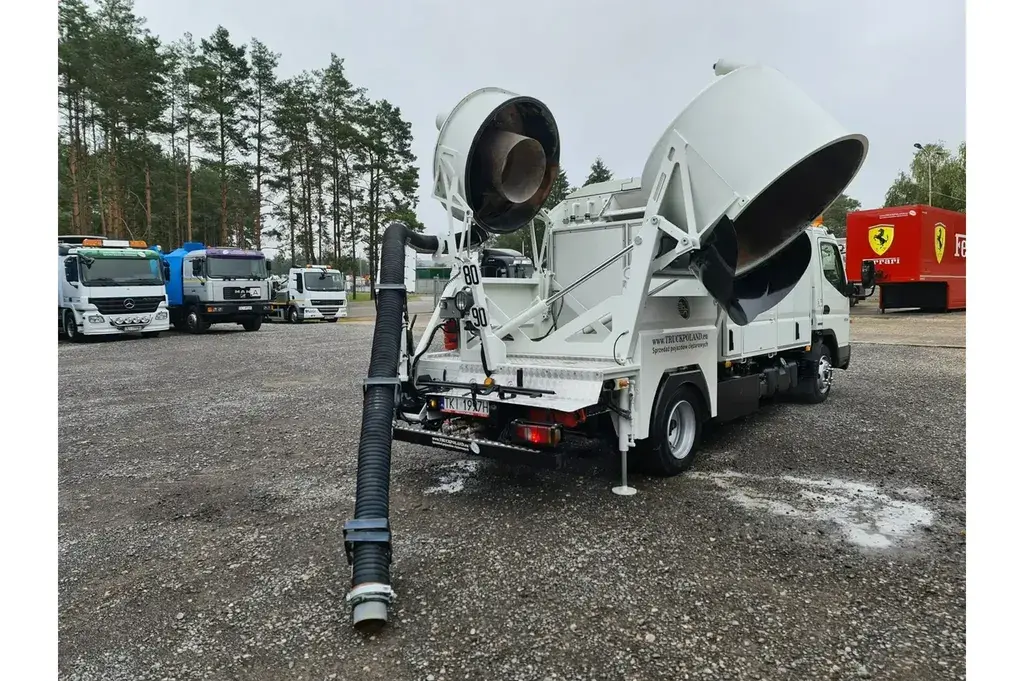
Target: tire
[671,448]
[253,324]
[70,328]
[293,315]
[816,371]
[194,322]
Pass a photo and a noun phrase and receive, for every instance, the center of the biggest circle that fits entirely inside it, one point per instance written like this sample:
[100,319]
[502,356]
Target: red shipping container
[920,255]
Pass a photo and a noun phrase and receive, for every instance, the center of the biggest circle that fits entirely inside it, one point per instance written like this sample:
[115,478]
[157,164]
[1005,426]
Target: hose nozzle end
[370,606]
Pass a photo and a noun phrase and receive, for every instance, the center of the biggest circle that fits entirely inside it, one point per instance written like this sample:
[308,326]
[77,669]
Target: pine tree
[340,139]
[186,117]
[263,86]
[391,178]
[599,172]
[223,96]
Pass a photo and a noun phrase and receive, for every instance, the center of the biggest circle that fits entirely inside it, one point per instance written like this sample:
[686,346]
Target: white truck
[311,292]
[660,303]
[109,287]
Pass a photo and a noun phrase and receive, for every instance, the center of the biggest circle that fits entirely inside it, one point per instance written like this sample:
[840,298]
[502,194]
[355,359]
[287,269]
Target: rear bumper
[489,449]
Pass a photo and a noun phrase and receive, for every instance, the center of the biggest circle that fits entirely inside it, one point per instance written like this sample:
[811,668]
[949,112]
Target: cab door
[832,306]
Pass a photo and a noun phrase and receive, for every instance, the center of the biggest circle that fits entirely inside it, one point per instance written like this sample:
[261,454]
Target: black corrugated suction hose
[368,536]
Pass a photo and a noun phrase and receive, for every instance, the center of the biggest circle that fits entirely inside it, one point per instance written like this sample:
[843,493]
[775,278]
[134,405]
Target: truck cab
[108,287]
[217,286]
[501,263]
[818,308]
[312,292]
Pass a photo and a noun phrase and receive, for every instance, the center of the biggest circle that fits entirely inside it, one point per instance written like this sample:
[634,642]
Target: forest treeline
[200,139]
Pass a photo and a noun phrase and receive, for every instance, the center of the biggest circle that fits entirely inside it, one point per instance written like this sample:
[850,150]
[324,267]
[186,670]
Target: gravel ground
[204,482]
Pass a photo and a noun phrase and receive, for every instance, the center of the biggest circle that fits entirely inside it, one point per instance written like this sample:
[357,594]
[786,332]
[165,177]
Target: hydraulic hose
[368,536]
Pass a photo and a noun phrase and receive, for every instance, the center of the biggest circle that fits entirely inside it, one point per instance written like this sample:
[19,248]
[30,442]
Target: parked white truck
[660,303]
[108,287]
[311,292]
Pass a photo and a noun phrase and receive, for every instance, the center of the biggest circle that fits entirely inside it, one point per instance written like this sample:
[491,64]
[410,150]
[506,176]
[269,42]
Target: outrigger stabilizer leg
[624,490]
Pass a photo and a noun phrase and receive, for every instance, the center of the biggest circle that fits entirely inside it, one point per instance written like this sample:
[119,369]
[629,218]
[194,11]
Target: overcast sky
[615,73]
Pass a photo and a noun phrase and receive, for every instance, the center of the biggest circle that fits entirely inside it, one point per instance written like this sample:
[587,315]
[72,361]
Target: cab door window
[832,266]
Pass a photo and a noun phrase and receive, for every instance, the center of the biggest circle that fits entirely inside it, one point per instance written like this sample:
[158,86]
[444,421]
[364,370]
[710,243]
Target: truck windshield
[523,269]
[324,281]
[109,271]
[236,268]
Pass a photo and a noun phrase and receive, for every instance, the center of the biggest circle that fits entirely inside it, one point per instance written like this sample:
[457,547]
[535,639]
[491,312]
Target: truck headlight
[162,314]
[95,319]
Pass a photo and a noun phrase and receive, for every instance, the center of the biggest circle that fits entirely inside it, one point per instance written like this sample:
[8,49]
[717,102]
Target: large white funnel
[502,150]
[754,135]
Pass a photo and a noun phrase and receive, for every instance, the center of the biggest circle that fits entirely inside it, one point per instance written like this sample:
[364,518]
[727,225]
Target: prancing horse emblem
[880,238]
[940,241]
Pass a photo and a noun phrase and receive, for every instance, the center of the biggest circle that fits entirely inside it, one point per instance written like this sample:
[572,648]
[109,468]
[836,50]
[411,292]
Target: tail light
[451,335]
[542,434]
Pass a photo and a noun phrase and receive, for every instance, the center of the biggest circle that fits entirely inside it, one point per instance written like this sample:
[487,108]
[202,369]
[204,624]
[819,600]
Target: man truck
[208,285]
[919,255]
[109,287]
[311,292]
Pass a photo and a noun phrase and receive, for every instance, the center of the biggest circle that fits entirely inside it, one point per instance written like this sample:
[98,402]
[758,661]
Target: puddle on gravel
[453,476]
[866,516]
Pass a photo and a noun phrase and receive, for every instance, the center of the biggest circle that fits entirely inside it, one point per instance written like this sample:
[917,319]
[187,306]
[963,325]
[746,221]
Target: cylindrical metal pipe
[517,164]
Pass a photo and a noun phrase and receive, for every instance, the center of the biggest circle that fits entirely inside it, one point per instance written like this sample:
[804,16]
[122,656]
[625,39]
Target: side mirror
[270,266]
[298,282]
[166,269]
[197,268]
[71,270]
[867,274]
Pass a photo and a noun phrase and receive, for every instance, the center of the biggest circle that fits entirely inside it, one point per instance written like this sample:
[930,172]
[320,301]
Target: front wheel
[671,447]
[70,326]
[194,322]
[816,374]
[293,315]
[253,324]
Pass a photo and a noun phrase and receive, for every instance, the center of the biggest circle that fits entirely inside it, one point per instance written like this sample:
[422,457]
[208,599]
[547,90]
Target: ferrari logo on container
[940,241]
[880,238]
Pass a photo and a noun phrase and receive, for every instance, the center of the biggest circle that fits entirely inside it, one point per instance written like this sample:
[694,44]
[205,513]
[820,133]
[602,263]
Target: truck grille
[136,304]
[326,303]
[243,292]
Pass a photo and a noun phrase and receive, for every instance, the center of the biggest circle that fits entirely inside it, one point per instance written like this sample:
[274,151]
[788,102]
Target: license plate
[245,307]
[133,328]
[465,405]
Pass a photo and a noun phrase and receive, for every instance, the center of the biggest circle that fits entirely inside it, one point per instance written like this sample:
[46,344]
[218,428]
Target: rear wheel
[70,326]
[672,444]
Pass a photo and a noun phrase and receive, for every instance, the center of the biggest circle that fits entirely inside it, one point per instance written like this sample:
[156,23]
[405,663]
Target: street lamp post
[928,158]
